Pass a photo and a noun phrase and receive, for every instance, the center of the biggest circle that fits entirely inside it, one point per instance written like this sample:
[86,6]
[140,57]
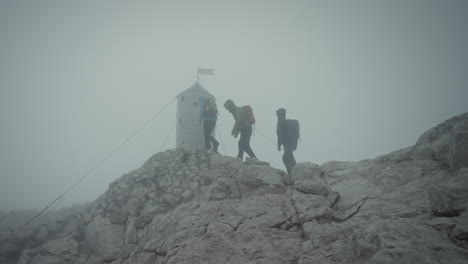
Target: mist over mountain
[195,206]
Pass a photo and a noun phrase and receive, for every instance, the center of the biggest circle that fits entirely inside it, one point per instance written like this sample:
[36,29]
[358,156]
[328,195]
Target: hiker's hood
[229,104]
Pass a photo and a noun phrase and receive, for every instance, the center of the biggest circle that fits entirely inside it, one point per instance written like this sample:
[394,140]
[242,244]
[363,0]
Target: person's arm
[238,119]
[280,134]
[201,110]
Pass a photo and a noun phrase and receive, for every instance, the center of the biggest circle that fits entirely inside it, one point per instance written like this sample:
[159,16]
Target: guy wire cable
[271,141]
[221,140]
[167,137]
[95,167]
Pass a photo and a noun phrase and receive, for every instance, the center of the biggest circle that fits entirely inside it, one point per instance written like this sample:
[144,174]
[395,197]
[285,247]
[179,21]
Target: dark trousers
[288,158]
[244,142]
[208,128]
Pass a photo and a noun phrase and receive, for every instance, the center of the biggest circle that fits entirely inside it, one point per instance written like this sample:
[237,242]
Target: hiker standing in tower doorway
[288,135]
[243,121]
[209,115]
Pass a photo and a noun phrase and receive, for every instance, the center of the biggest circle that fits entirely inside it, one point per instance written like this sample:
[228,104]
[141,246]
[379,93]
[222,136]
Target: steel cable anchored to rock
[196,206]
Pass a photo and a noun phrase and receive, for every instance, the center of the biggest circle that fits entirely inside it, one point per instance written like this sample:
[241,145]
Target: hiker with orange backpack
[243,121]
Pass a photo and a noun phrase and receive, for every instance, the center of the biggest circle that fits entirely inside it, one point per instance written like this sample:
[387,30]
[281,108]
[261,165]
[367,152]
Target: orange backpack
[250,120]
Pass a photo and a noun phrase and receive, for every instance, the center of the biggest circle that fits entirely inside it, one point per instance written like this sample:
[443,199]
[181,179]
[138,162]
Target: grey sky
[364,78]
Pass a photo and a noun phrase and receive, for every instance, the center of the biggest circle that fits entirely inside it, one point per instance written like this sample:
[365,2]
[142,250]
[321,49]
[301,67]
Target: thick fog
[364,78]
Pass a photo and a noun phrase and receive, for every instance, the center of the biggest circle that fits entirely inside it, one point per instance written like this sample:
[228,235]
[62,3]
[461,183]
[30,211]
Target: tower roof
[196,88]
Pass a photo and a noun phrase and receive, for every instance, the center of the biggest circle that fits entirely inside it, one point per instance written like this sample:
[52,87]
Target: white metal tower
[189,130]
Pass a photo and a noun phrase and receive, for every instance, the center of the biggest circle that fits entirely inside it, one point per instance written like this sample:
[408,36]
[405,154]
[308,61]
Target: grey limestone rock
[449,197]
[106,239]
[458,149]
[195,206]
[434,144]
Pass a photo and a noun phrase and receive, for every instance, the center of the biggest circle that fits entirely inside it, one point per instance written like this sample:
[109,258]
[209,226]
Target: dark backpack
[293,131]
[250,118]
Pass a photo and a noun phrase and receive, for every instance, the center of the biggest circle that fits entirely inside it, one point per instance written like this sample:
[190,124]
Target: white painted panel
[189,133]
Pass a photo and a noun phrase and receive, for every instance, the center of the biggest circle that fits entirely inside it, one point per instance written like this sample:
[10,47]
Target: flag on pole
[205,71]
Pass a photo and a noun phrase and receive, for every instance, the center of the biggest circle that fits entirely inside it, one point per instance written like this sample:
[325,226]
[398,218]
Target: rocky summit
[194,206]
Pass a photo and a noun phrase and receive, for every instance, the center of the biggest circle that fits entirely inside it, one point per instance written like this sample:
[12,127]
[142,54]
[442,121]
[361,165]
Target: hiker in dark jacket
[285,140]
[208,115]
[242,126]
